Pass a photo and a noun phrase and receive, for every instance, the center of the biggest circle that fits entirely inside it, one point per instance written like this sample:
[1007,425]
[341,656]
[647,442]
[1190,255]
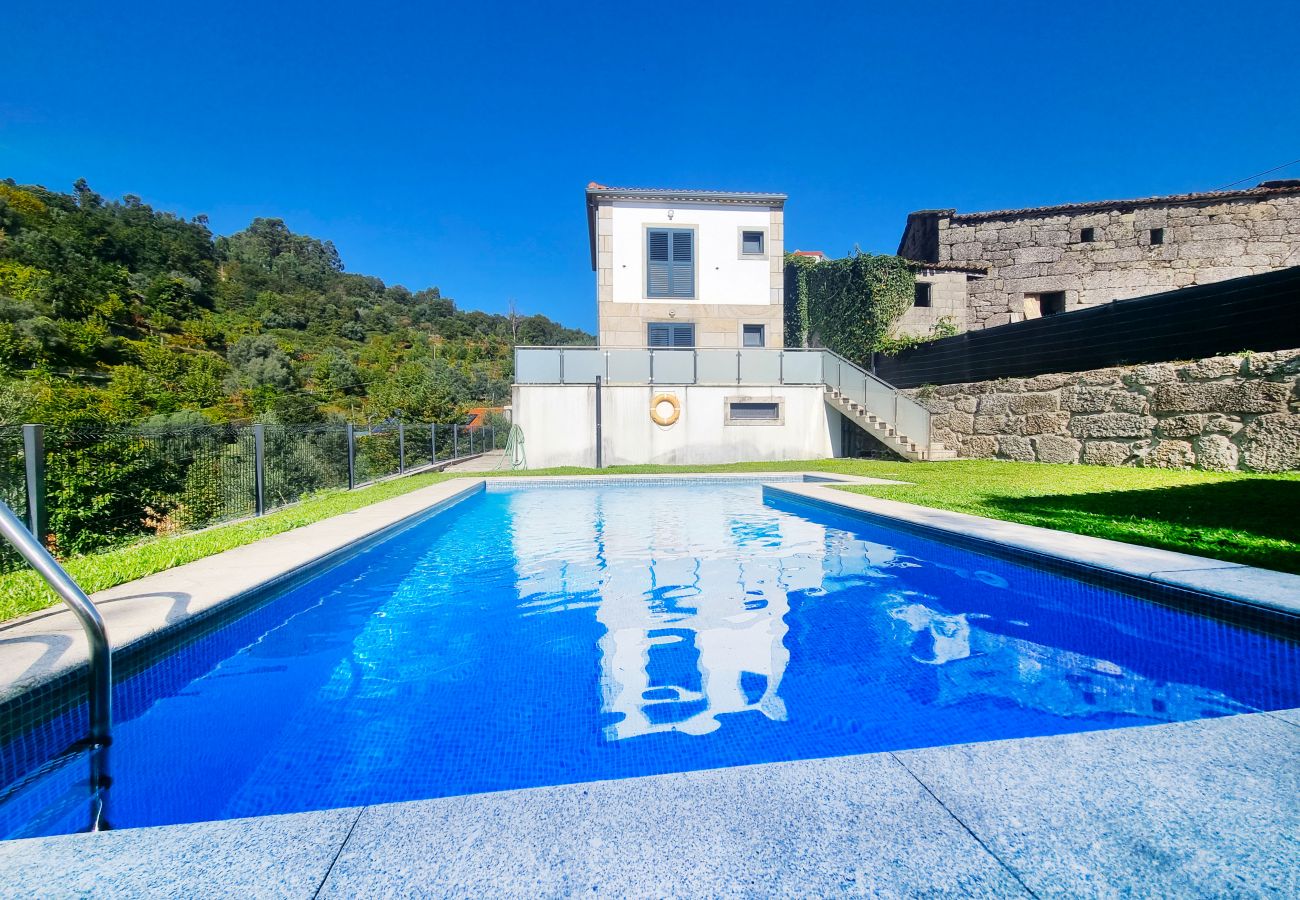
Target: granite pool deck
[1203,808]
[1209,808]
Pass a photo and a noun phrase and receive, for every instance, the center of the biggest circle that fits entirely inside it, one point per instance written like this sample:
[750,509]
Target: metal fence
[1255,312]
[82,490]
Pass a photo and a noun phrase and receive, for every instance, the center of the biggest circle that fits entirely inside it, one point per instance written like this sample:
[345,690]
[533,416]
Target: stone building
[1023,263]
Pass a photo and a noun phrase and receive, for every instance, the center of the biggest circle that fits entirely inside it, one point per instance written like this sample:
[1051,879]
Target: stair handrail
[899,399]
[100,687]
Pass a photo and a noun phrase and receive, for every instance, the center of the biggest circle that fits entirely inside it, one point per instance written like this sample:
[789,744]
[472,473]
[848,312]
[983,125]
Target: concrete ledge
[49,645]
[1205,808]
[1278,592]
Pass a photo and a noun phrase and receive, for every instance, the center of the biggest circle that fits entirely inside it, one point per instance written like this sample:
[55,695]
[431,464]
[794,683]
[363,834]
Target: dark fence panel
[1257,312]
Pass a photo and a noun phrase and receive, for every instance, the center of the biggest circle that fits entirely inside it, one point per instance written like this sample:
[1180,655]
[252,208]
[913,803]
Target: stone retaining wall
[1224,413]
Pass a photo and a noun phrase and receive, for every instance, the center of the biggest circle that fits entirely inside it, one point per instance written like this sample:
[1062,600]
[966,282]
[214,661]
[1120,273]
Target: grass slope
[1251,519]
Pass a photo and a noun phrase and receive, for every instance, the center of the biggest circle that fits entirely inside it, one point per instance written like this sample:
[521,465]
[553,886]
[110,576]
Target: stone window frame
[728,401]
[925,288]
[762,333]
[740,242]
[1088,234]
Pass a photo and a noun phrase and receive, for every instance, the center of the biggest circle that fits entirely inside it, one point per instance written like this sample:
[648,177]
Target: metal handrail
[897,404]
[100,689]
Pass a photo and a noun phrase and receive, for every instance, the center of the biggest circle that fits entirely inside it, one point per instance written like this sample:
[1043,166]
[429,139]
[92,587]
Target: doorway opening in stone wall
[1048,303]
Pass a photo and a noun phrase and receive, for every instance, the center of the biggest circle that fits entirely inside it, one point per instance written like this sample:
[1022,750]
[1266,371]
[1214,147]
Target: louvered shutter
[659,335]
[670,262]
[659,262]
[683,334]
[683,266]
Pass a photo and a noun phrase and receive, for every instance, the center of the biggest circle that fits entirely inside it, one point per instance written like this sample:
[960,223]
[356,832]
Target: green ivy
[847,305]
[945,327]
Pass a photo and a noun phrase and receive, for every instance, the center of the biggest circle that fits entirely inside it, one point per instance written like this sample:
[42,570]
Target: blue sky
[450,144]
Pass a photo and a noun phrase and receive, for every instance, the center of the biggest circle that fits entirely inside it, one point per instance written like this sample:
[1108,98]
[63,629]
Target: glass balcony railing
[748,367]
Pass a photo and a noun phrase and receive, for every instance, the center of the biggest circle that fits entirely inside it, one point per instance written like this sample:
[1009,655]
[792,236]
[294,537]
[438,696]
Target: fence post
[259,469]
[599,439]
[401,449]
[34,459]
[433,442]
[352,456]
[455,440]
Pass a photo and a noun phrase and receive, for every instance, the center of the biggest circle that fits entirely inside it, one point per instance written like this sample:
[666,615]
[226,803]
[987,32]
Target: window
[753,336]
[670,262]
[921,297]
[1157,236]
[1051,303]
[754,411]
[1087,235]
[753,243]
[670,334]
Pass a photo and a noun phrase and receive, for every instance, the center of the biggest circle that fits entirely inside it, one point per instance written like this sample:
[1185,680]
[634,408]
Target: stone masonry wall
[1204,241]
[1224,413]
[948,300]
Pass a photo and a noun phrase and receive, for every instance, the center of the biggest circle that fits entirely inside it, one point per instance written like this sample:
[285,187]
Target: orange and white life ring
[662,416]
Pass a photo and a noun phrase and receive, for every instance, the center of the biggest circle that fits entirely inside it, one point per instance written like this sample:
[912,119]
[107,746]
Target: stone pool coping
[49,645]
[44,648]
[1242,584]
[1207,808]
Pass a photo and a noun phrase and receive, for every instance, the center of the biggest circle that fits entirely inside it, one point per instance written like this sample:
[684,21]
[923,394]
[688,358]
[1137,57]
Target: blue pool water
[552,634]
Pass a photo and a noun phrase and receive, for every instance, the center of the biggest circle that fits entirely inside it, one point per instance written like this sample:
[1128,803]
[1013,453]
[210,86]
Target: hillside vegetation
[113,313]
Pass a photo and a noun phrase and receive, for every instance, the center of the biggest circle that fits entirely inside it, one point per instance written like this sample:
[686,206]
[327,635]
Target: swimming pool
[557,633]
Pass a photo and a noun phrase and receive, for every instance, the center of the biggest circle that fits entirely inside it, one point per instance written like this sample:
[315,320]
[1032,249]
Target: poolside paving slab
[1209,808]
[272,856]
[852,825]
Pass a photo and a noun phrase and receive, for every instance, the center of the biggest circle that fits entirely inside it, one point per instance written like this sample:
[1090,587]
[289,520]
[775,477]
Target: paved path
[485,462]
[1205,809]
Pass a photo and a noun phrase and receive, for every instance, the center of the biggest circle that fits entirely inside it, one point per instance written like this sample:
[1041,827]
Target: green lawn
[1251,519]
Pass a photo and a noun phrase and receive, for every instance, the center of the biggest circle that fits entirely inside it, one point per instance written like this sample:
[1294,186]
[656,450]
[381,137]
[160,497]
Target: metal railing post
[259,469]
[100,688]
[34,464]
[433,442]
[352,456]
[598,426]
[401,449]
[455,440]
[737,367]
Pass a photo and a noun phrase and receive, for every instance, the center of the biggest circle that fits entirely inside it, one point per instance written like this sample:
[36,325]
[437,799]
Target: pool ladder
[100,688]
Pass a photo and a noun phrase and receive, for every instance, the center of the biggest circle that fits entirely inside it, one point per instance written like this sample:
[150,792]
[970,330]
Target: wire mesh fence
[106,487]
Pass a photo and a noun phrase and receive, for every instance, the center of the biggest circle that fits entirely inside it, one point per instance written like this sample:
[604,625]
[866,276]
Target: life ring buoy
[659,417]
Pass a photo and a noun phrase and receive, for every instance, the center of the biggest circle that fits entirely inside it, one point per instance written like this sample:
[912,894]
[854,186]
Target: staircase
[885,433]
[895,421]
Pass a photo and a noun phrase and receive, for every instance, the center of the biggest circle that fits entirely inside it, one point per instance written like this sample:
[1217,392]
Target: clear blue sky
[450,144]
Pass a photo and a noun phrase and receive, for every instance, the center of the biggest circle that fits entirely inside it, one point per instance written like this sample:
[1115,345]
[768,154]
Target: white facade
[723,275]
[559,425]
[729,285]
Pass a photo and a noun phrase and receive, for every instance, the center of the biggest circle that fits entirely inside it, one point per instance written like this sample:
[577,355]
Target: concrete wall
[730,290]
[558,422]
[1226,412]
[1204,241]
[947,300]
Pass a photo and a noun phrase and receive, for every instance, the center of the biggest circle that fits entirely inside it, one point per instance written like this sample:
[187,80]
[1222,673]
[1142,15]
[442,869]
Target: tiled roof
[815,254]
[1266,189]
[597,188]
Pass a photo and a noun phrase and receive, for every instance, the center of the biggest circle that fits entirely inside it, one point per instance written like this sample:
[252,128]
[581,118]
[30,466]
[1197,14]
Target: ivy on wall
[846,305]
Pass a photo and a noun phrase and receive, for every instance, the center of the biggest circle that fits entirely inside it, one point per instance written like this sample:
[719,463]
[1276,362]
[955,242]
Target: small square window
[1052,303]
[921,296]
[752,243]
[753,336]
[1157,236]
[1087,235]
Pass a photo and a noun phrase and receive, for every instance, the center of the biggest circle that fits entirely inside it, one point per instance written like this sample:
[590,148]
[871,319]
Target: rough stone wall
[947,300]
[1204,242]
[1224,413]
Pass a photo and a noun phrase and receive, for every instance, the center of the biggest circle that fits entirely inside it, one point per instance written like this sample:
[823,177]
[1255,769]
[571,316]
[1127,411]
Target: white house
[691,367]
[687,268]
